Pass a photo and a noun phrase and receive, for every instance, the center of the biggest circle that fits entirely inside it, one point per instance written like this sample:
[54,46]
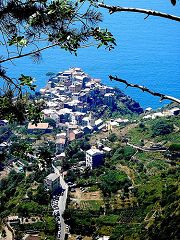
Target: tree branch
[28,54]
[10,81]
[145,89]
[113,9]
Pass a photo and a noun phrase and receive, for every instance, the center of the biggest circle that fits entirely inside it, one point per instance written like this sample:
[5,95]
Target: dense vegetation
[27,198]
[162,128]
[139,190]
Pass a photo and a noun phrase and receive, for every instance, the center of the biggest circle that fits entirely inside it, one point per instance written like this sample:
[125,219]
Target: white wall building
[52,182]
[60,145]
[94,158]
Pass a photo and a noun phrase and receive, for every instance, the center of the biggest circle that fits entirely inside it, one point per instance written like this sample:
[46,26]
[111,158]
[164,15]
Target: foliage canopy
[29,27]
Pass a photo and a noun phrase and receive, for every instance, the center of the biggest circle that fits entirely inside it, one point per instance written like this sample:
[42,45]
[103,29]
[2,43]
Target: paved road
[62,202]
[62,206]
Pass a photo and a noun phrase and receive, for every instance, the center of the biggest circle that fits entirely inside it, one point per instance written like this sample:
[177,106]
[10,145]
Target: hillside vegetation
[138,190]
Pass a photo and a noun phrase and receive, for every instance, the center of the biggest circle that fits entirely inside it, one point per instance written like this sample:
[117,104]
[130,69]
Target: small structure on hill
[61,142]
[13,220]
[39,126]
[94,158]
[52,182]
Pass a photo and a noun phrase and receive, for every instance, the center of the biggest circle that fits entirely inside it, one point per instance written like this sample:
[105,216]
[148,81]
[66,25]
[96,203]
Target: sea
[147,53]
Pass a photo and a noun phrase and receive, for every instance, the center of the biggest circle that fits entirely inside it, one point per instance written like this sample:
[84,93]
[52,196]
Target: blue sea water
[147,53]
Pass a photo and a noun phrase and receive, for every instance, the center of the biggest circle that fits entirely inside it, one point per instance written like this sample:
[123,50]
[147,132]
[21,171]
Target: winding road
[145,149]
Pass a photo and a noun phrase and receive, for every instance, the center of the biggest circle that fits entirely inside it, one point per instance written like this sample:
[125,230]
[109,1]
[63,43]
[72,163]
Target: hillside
[135,195]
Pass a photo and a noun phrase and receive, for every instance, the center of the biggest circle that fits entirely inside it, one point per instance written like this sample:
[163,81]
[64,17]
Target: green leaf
[18,40]
[27,81]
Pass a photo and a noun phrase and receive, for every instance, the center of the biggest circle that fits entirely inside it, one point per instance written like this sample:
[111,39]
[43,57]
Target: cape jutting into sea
[147,53]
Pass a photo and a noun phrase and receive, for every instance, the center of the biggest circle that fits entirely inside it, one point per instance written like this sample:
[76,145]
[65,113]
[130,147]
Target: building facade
[94,158]
[52,182]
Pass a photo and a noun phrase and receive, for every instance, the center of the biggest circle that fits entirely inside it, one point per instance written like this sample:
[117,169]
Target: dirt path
[82,196]
[176,128]
[119,132]
[128,171]
[9,235]
[4,173]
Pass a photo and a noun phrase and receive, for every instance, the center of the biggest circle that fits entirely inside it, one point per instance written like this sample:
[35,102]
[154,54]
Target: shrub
[162,127]
[51,122]
[112,181]
[174,147]
[112,137]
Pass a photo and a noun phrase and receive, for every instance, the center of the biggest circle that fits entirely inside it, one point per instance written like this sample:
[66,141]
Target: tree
[18,235]
[46,153]
[25,209]
[112,137]
[113,9]
[112,181]
[174,147]
[3,233]
[162,127]
[51,122]
[41,196]
[30,27]
[20,149]
[5,133]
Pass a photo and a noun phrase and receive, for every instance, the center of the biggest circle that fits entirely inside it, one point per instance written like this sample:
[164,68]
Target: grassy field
[91,204]
[91,200]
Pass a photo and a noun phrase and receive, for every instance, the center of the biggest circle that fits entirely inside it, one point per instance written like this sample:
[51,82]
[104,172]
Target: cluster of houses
[73,132]
[70,95]
[149,114]
[73,89]
[94,159]
[69,98]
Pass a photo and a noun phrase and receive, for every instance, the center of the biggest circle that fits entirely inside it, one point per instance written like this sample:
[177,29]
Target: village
[73,114]
[71,99]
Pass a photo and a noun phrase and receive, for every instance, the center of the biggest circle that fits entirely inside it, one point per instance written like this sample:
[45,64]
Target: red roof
[39,126]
